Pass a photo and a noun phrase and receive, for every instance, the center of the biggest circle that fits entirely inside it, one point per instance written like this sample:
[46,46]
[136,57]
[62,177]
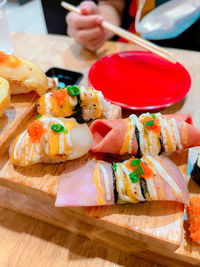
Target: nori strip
[144,188]
[78,114]
[115,186]
[195,174]
[138,141]
[161,147]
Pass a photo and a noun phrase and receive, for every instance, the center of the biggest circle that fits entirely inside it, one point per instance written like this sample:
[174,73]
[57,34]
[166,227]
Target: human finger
[89,34]
[80,22]
[88,8]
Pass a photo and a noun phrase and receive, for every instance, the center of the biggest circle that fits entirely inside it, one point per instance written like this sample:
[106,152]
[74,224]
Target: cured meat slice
[150,134]
[100,183]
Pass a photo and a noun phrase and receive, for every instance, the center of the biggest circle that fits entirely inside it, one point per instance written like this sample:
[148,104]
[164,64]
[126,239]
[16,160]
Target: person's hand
[86,28]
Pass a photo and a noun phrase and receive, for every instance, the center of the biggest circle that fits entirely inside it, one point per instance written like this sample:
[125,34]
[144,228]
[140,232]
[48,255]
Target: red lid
[139,80]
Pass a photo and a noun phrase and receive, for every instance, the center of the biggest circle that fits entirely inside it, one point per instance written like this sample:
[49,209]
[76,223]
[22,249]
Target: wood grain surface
[70,55]
[29,243]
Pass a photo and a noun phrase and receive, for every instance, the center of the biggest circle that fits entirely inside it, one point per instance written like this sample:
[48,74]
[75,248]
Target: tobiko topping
[139,170]
[59,96]
[36,130]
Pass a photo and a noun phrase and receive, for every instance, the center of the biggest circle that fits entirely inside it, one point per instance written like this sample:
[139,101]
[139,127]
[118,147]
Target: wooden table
[27,242]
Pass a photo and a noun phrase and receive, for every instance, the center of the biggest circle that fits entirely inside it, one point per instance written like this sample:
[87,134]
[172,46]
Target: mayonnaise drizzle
[32,152]
[106,182]
[47,102]
[165,176]
[61,143]
[135,187]
[153,146]
[18,145]
[132,133]
[121,187]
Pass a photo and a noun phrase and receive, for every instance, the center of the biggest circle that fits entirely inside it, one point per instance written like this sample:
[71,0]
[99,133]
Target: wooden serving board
[122,227]
[154,227]
[20,109]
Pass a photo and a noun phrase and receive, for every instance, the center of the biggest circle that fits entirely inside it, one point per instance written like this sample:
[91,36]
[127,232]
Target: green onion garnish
[153,116]
[114,167]
[39,116]
[58,128]
[59,88]
[134,178]
[135,162]
[149,123]
[141,170]
[73,90]
[65,131]
[136,174]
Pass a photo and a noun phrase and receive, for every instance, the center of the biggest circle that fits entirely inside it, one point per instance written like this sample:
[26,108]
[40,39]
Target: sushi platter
[35,180]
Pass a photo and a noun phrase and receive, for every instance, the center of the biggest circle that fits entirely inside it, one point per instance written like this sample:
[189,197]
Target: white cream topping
[135,187]
[18,145]
[132,134]
[61,143]
[47,102]
[83,92]
[106,182]
[119,176]
[176,134]
[73,100]
[151,186]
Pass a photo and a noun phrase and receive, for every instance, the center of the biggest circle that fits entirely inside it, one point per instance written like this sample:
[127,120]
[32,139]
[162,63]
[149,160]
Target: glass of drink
[5,39]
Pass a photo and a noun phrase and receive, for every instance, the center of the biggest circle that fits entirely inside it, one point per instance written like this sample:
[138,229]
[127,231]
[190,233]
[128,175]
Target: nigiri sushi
[196,170]
[82,103]
[134,180]
[51,140]
[193,213]
[23,76]
[148,134]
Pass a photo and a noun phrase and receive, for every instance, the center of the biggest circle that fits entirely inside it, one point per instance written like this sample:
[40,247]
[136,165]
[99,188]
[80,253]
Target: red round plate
[139,80]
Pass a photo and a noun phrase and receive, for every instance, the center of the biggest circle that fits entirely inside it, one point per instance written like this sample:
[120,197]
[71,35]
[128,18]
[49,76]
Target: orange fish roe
[36,130]
[3,57]
[148,173]
[155,127]
[128,164]
[60,96]
[193,213]
[13,62]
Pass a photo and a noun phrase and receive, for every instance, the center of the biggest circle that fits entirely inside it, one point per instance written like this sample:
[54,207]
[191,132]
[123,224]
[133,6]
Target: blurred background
[25,16]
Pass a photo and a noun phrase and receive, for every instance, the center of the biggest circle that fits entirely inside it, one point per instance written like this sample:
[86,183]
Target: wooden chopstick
[127,35]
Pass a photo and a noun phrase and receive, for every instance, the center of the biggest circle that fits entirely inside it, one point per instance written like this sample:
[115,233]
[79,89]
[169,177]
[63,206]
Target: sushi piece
[51,140]
[23,76]
[83,103]
[193,213]
[4,95]
[195,174]
[148,134]
[100,183]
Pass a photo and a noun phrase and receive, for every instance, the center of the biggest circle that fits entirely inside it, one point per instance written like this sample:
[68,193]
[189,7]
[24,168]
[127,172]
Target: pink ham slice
[174,173]
[76,185]
[108,135]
